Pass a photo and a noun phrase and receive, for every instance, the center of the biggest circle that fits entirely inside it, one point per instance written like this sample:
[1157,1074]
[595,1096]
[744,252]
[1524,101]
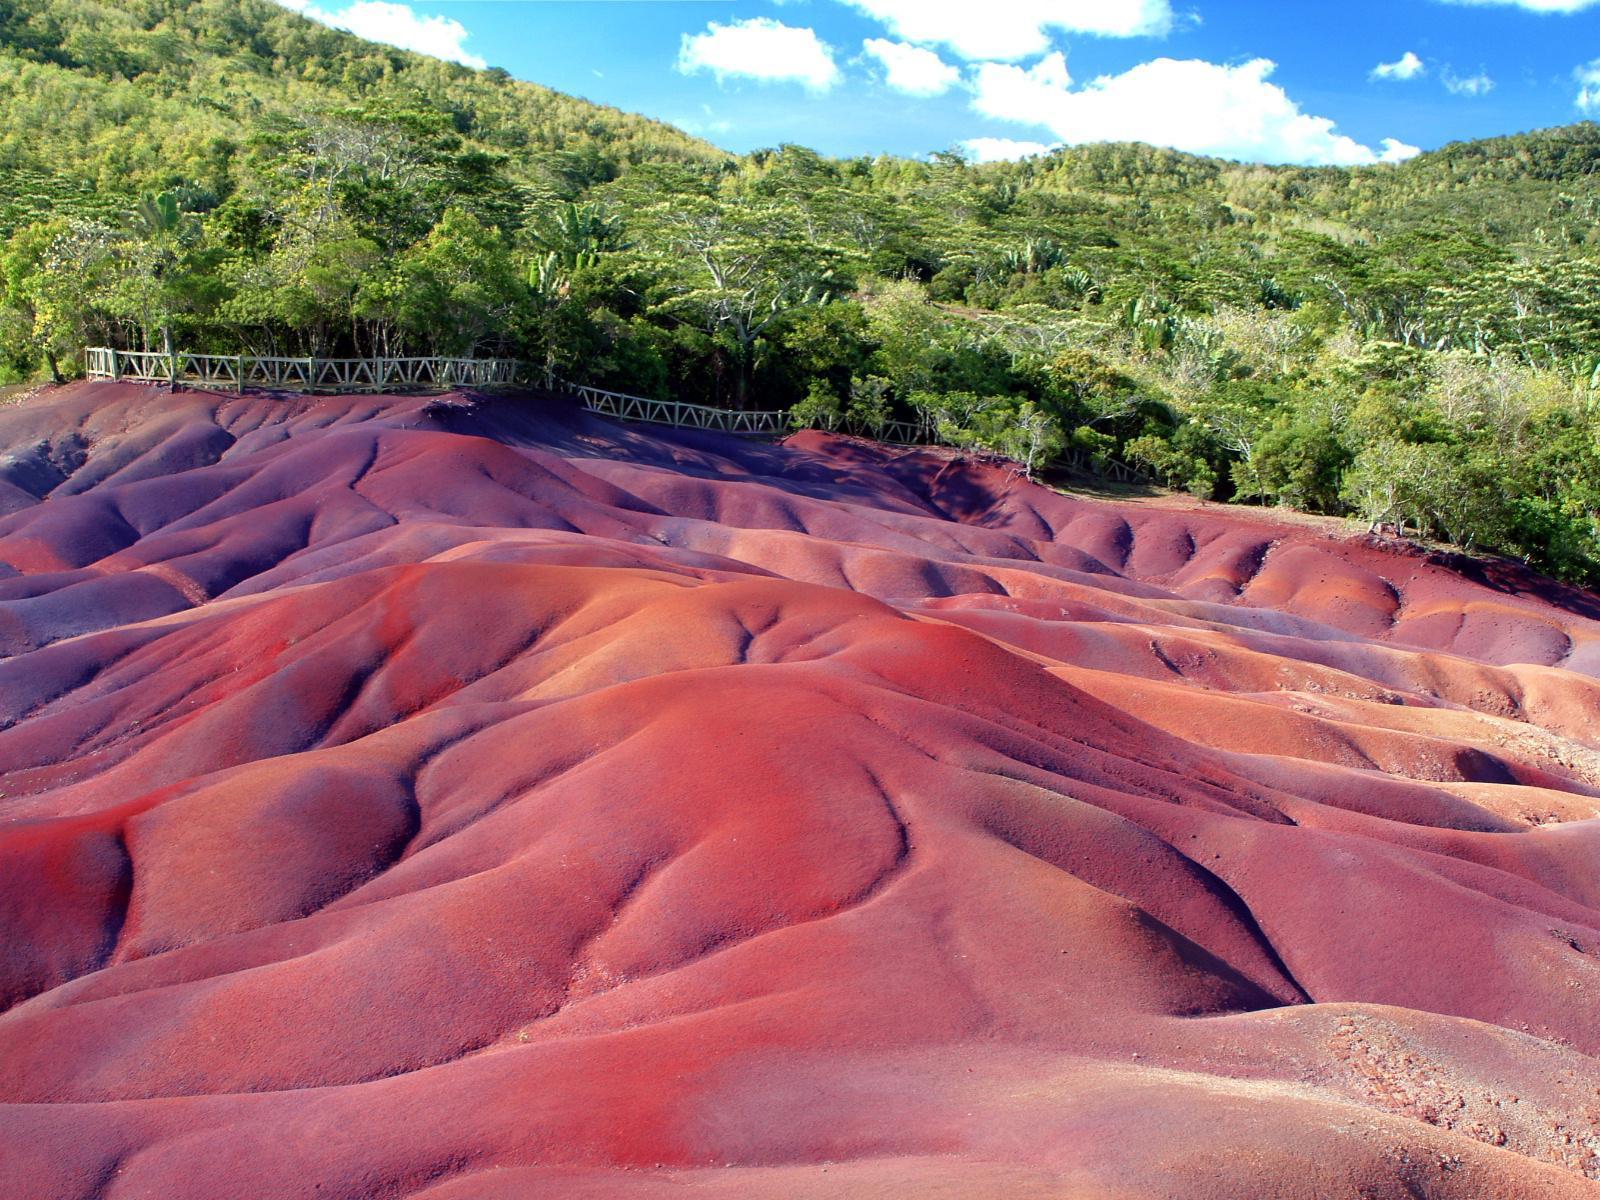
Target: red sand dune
[471,798]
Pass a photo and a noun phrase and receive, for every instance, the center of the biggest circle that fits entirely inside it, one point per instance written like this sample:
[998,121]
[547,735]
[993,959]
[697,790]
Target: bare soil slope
[470,798]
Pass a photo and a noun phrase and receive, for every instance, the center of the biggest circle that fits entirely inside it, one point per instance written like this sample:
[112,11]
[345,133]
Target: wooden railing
[623,407]
[769,423]
[898,433]
[236,372]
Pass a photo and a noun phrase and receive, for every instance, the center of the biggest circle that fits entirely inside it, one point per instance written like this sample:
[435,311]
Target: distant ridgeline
[1415,344]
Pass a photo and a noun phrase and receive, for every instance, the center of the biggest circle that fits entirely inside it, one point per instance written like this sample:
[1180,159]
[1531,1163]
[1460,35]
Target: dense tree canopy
[1418,344]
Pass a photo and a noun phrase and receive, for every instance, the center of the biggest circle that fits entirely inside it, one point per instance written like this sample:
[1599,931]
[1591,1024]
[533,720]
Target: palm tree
[160,230]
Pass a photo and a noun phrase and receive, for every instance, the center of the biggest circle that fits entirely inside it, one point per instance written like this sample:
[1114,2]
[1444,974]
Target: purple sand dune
[468,797]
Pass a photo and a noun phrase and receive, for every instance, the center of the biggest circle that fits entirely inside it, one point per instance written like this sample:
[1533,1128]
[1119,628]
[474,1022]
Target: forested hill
[106,100]
[1415,344]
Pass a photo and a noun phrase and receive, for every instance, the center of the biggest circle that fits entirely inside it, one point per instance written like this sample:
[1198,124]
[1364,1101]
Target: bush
[1177,462]
[1300,461]
[819,410]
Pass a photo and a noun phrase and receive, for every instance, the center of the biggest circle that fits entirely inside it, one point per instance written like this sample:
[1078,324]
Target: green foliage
[821,408]
[1415,344]
[1186,459]
[1300,461]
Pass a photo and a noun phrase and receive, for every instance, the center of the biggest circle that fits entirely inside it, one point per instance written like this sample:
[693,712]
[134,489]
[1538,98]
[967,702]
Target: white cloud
[1407,66]
[1396,151]
[993,149]
[911,69]
[761,48]
[1588,99]
[1468,85]
[1011,29]
[396,25]
[1534,6]
[1197,106]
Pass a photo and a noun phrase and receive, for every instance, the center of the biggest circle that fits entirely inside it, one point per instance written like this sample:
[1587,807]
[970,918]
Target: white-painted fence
[236,372]
[624,407]
[770,423]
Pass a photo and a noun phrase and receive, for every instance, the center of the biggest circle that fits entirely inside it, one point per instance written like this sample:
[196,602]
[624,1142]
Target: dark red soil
[471,798]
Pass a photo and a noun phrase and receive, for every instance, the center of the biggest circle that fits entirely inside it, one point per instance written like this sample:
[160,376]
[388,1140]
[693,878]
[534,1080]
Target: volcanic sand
[467,797]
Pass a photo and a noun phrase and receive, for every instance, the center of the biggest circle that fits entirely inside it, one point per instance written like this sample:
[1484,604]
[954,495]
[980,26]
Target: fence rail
[236,372]
[624,407]
[770,423]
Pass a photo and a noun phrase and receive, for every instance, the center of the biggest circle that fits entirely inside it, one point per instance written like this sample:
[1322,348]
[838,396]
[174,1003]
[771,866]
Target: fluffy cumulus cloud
[993,149]
[1197,106]
[1468,85]
[1407,66]
[763,49]
[911,69]
[1588,99]
[1012,29]
[396,25]
[1396,151]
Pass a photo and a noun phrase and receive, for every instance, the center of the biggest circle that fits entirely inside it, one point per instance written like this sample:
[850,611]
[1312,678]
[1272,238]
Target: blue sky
[1260,80]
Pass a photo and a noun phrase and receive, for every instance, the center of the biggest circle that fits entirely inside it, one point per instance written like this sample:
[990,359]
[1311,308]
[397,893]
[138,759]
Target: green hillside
[1416,344]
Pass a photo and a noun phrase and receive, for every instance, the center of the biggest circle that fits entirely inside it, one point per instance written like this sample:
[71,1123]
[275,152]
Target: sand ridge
[468,797]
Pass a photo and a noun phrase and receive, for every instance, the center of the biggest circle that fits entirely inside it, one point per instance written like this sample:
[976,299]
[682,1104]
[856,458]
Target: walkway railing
[896,433]
[235,372]
[770,423]
[624,407]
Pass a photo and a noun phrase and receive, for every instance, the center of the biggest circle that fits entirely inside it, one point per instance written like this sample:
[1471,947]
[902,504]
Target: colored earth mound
[468,797]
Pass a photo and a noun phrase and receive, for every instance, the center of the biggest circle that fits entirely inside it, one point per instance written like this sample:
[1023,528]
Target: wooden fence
[624,407]
[771,423]
[236,372]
